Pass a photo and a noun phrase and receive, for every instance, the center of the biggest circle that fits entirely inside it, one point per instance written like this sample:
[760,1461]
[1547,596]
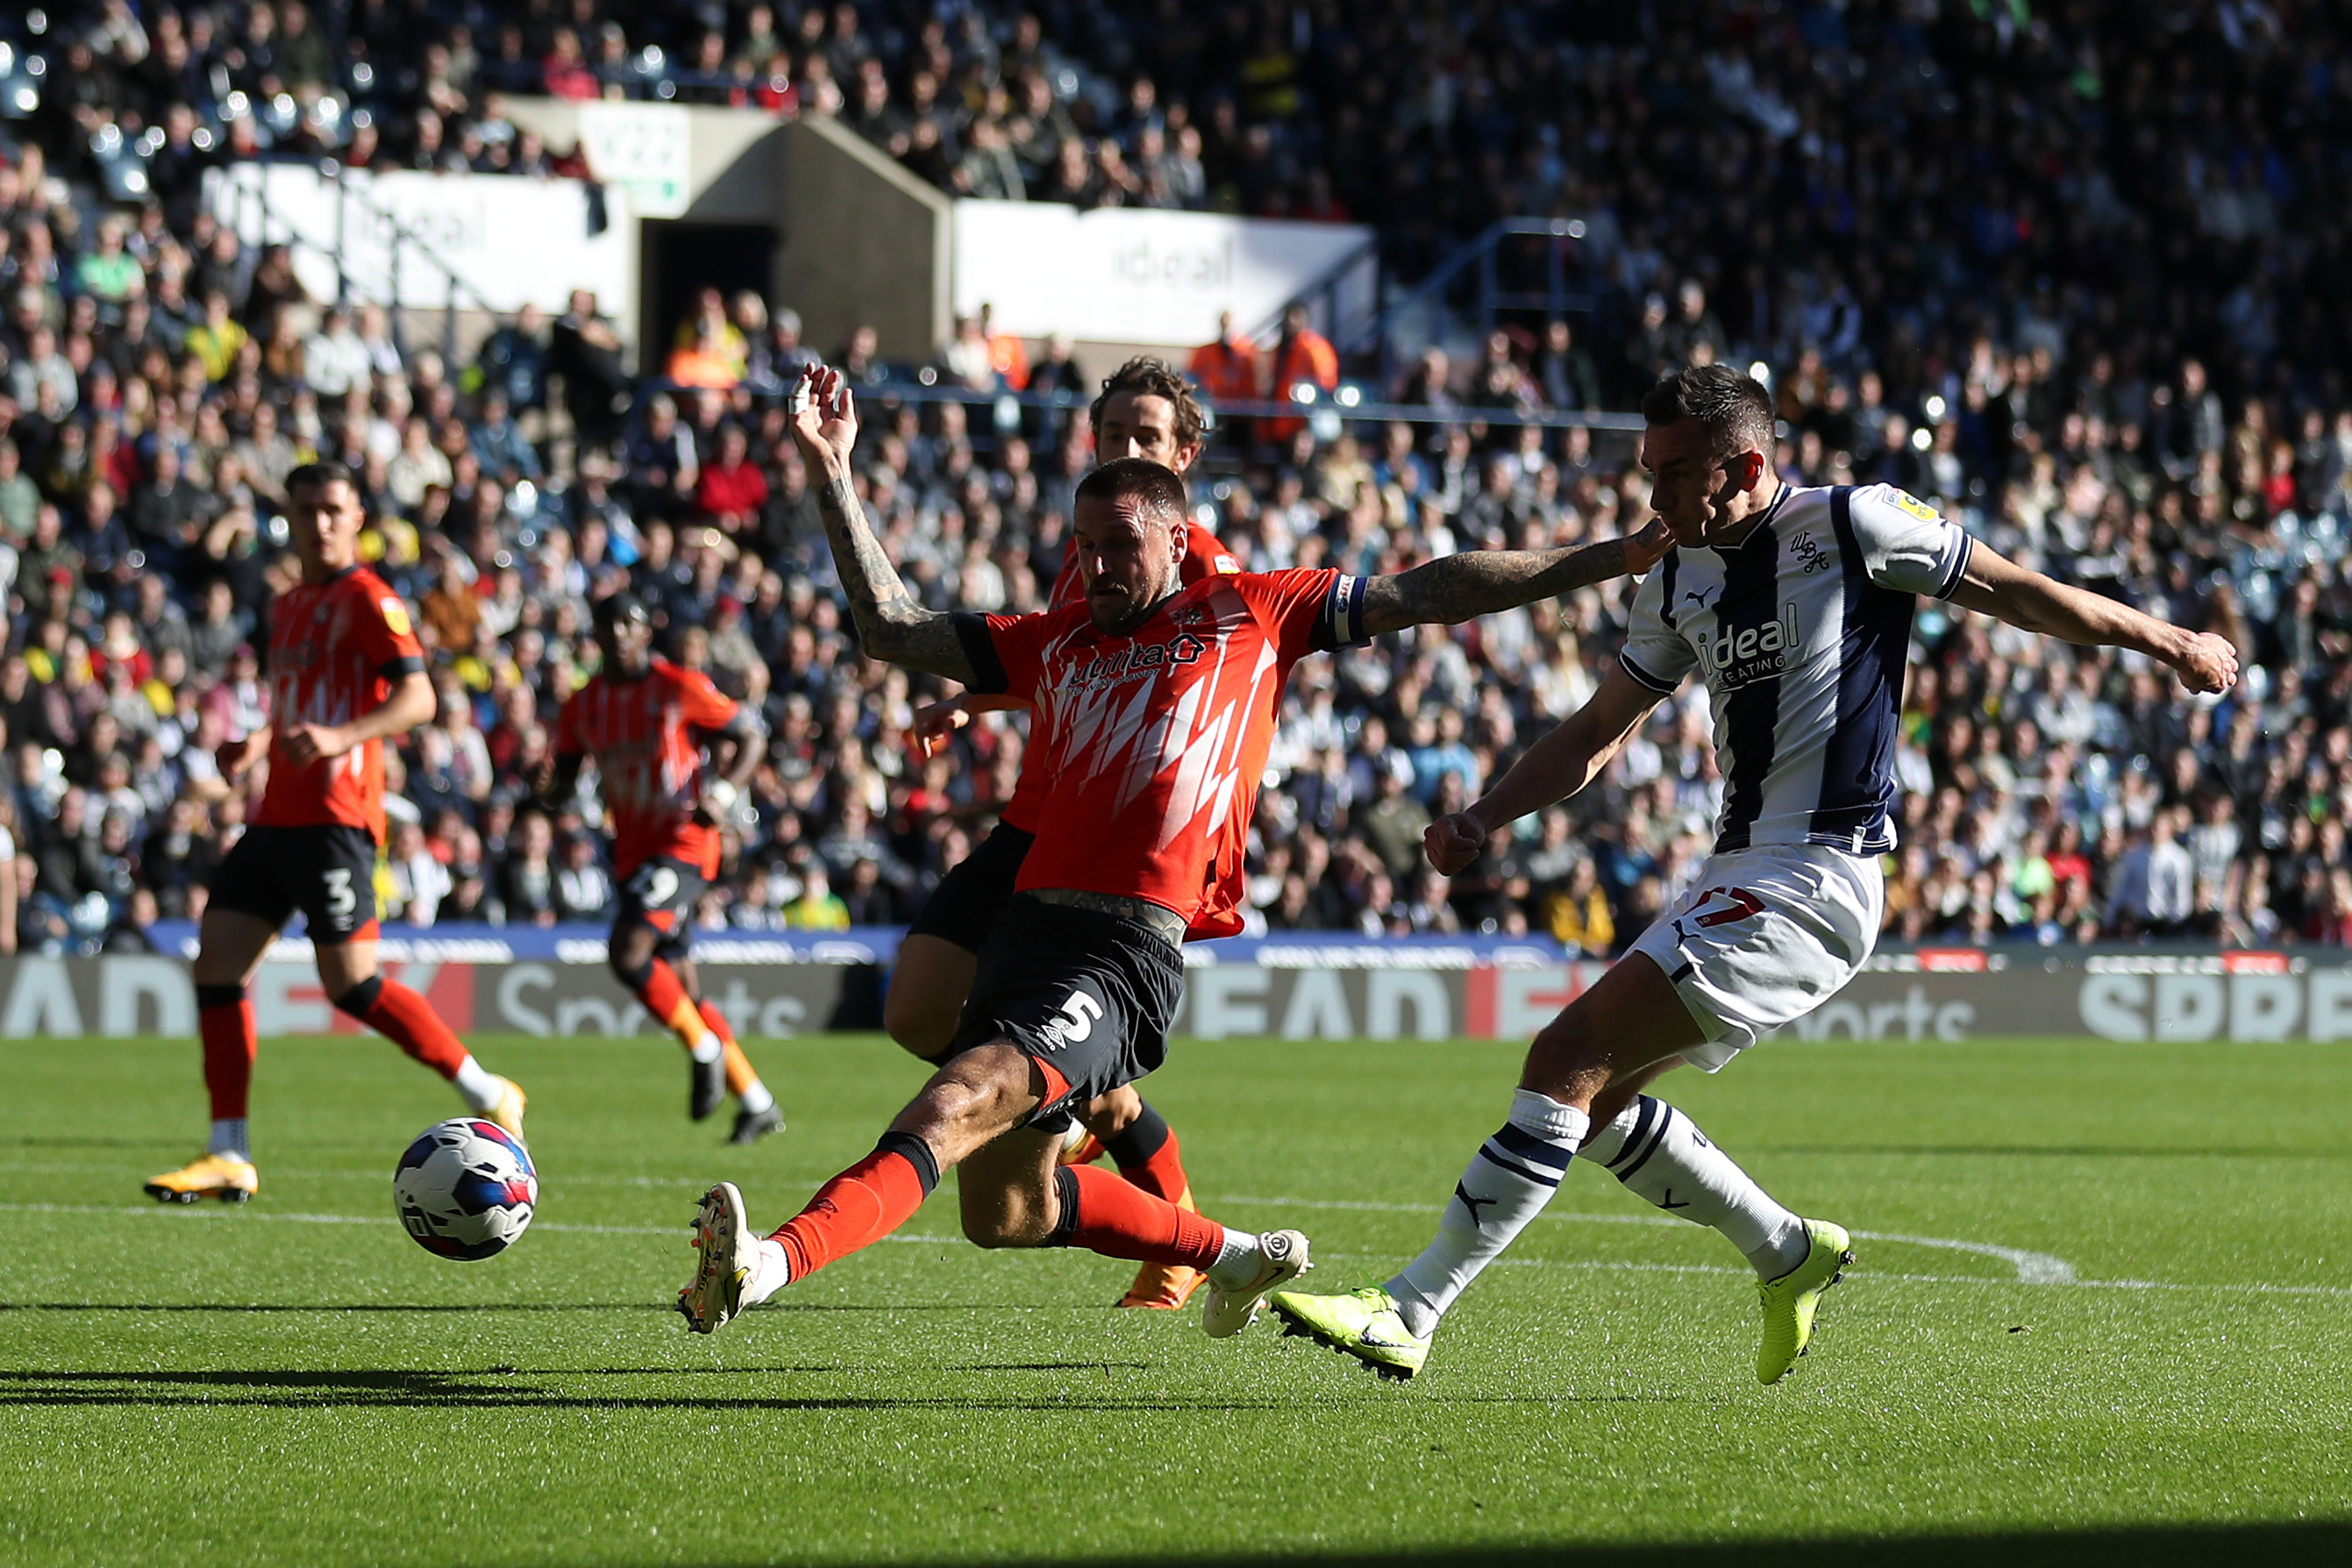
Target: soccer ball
[465,1189]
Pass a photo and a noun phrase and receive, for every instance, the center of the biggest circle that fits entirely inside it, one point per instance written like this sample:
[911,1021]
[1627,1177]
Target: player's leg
[929,981]
[1632,1019]
[1144,1148]
[1016,1192]
[338,899]
[756,1114]
[973,1099]
[1661,1156]
[648,937]
[348,972]
[939,956]
[230,943]
[1629,1020]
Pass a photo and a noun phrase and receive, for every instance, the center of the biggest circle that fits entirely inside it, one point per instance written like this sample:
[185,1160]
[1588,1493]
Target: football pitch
[2102,1312]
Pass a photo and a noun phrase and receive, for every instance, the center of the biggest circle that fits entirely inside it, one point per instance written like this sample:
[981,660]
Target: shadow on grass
[344,1307]
[2059,1151]
[772,1307]
[508,1388]
[2148,1546]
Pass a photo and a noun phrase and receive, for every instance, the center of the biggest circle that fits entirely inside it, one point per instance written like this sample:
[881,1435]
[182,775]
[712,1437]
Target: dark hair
[1158,491]
[1150,377]
[1731,405]
[623,606]
[321,475]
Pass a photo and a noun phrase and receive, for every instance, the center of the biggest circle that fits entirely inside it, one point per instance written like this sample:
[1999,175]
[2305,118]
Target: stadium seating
[2082,292]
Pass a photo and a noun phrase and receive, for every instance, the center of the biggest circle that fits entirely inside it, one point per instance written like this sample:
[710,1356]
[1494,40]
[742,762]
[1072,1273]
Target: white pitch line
[222,1212]
[244,1215]
[2032,1267]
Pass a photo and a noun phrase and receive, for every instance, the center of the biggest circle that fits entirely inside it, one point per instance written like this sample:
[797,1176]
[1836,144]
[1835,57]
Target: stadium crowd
[2077,278]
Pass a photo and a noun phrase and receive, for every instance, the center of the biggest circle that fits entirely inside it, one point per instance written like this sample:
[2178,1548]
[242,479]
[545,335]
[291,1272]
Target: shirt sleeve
[703,705]
[1310,609]
[1006,652]
[385,635]
[1905,545]
[1655,654]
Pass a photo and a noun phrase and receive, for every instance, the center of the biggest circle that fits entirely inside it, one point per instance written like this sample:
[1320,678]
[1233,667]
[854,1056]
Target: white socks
[478,1087]
[706,1049]
[755,1099]
[770,1273]
[1237,1260]
[1656,1151]
[1510,1179]
[228,1138]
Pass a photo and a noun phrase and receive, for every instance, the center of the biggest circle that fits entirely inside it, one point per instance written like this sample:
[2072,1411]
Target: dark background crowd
[2077,274]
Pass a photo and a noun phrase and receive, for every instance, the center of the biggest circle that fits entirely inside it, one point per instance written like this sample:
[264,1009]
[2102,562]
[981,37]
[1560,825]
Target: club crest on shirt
[1731,658]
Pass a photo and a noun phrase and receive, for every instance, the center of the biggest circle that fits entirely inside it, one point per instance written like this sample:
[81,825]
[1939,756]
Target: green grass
[264,1387]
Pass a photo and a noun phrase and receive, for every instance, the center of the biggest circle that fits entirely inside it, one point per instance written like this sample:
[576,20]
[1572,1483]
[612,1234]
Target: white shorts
[1764,936]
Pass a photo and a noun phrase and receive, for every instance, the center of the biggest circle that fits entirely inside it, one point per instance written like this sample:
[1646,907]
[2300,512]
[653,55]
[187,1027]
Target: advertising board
[1131,275]
[554,982]
[510,240]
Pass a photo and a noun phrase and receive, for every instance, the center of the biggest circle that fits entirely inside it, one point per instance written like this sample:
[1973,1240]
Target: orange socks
[861,1206]
[225,1022]
[1145,1154]
[1108,1214]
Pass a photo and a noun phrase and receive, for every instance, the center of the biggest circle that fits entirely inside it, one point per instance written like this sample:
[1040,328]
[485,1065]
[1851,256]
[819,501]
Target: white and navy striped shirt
[1801,631]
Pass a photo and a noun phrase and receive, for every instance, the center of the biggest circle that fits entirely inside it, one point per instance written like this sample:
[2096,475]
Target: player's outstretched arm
[1998,587]
[1457,588]
[891,626]
[412,703]
[1562,763]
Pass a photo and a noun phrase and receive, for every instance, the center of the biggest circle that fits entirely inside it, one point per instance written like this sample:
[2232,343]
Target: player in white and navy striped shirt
[1794,606]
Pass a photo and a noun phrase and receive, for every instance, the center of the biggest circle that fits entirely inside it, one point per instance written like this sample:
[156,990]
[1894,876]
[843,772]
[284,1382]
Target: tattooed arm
[1457,588]
[891,626]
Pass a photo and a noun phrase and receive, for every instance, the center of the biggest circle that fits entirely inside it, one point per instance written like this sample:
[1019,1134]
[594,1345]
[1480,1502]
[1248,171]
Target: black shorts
[662,893]
[963,906]
[1088,997]
[327,871]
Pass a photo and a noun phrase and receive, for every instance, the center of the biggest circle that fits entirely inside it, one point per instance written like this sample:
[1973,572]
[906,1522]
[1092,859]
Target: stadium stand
[2086,293]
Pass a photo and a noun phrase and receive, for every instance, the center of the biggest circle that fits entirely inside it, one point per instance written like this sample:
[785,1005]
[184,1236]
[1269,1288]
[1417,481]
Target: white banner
[642,146]
[509,240]
[1129,275]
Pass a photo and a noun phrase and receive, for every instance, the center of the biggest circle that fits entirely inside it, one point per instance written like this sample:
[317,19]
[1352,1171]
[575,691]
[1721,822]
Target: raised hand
[825,421]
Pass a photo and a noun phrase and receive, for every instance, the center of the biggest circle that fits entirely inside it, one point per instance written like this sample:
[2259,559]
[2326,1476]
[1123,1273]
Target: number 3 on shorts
[341,899]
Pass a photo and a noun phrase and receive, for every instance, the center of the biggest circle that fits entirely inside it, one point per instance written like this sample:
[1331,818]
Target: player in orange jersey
[1155,705]
[1145,410]
[640,718]
[345,672]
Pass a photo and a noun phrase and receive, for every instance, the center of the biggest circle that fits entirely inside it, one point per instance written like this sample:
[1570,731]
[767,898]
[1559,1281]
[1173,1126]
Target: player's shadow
[263,1307]
[306,1389]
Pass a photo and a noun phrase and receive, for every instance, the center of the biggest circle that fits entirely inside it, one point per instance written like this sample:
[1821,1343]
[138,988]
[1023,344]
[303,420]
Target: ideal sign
[1129,275]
